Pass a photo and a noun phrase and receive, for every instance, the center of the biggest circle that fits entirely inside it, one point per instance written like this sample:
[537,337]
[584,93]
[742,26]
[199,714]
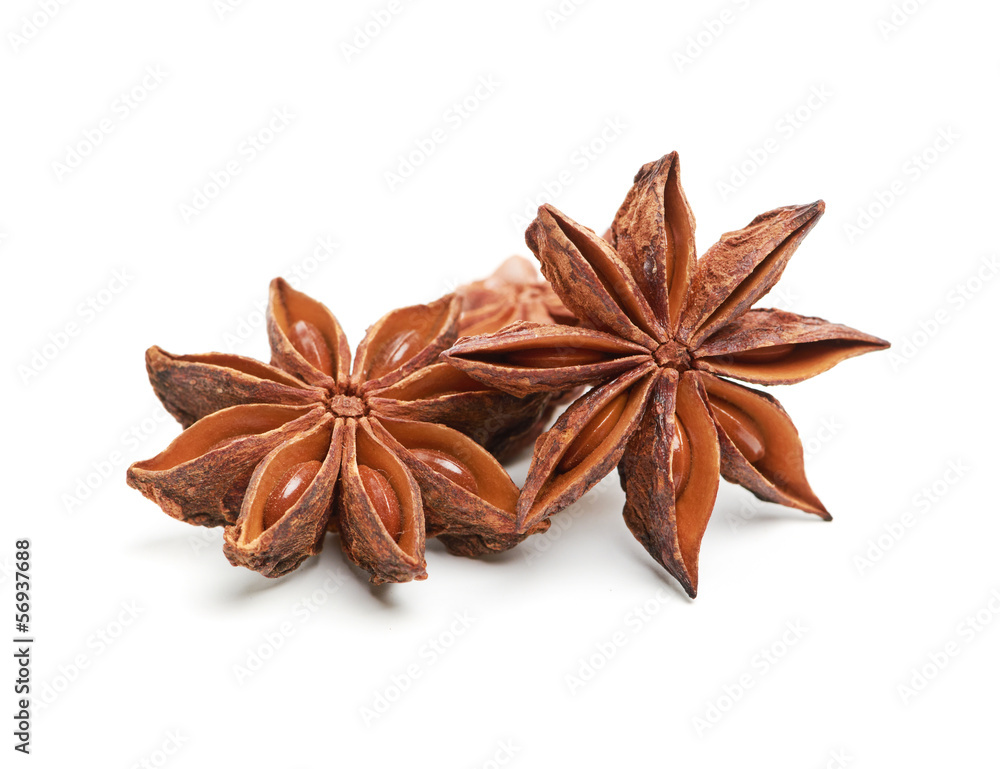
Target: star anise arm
[761,449]
[490,304]
[590,279]
[515,291]
[381,516]
[526,358]
[201,477]
[670,474]
[487,318]
[743,266]
[584,445]
[653,233]
[441,393]
[192,386]
[466,492]
[778,347]
[306,339]
[405,340]
[514,272]
[288,503]
[557,312]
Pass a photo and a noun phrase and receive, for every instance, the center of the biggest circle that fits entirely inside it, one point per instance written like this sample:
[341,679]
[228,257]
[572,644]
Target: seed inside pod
[554,357]
[308,340]
[226,441]
[287,491]
[395,353]
[599,427]
[680,459]
[449,467]
[741,429]
[383,499]
[764,354]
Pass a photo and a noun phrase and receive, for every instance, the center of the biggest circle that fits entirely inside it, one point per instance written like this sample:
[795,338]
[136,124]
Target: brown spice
[280,453]
[666,328]
[515,292]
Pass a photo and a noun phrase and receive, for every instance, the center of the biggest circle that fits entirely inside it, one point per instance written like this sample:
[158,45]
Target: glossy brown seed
[383,499]
[395,353]
[449,467]
[764,354]
[308,340]
[555,357]
[287,491]
[680,459]
[593,434]
[740,427]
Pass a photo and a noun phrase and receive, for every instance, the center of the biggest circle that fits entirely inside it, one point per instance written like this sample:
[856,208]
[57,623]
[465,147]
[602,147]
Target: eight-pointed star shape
[280,453]
[668,332]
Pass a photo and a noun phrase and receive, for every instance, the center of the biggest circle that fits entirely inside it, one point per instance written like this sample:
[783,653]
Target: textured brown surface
[819,346]
[498,421]
[681,322]
[486,358]
[192,386]
[197,482]
[514,292]
[282,547]
[743,266]
[546,489]
[670,526]
[249,424]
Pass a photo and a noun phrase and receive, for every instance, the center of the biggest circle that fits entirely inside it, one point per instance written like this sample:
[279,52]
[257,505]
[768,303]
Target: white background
[574,649]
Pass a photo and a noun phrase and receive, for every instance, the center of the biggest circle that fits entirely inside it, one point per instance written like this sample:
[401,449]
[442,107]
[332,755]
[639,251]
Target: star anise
[280,453]
[670,330]
[515,291]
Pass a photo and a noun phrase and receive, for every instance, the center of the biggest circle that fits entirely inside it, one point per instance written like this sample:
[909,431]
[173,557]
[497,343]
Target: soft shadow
[729,522]
[784,514]
[492,559]
[384,594]
[668,581]
[262,584]
[311,575]
[170,545]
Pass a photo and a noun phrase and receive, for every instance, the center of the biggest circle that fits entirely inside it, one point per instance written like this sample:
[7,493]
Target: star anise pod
[280,453]
[515,291]
[670,331]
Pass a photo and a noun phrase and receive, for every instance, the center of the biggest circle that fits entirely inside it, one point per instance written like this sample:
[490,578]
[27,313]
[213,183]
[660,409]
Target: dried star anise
[514,292]
[280,453]
[668,329]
